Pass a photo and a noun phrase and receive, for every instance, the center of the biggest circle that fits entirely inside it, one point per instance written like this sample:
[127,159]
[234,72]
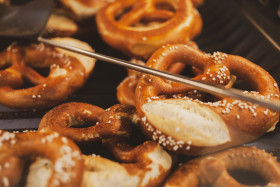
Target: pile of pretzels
[161,133]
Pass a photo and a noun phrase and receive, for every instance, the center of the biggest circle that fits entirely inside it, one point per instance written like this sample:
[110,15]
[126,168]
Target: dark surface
[24,22]
[225,29]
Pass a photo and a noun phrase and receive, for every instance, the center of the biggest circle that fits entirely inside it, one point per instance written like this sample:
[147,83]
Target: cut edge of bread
[188,121]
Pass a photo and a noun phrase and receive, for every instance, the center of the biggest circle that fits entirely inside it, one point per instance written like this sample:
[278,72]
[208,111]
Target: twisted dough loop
[235,121]
[213,170]
[67,74]
[65,155]
[145,165]
[170,22]
[104,124]
[126,89]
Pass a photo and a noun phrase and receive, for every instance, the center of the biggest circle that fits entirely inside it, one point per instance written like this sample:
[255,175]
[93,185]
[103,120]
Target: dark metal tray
[241,27]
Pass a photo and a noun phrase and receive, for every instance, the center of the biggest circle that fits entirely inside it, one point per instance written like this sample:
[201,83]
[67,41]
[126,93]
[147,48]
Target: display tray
[229,26]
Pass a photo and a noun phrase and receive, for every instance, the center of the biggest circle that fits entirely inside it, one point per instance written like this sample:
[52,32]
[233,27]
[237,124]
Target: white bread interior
[59,23]
[102,172]
[187,121]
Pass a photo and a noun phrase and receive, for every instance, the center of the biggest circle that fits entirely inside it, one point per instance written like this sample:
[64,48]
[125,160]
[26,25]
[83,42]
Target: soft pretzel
[146,164]
[103,124]
[147,25]
[198,126]
[17,149]
[214,170]
[126,89]
[68,73]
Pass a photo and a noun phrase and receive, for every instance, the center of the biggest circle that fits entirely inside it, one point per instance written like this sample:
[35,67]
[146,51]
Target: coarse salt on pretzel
[147,24]
[64,117]
[68,73]
[198,126]
[126,89]
[148,165]
[144,165]
[68,165]
[219,170]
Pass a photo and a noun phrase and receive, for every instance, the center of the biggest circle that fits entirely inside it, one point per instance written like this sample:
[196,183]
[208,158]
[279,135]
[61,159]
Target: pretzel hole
[31,80]
[97,149]
[122,12]
[246,177]
[165,6]
[4,65]
[75,122]
[181,68]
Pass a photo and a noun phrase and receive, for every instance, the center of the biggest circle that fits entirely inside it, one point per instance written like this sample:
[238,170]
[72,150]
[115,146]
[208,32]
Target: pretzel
[68,73]
[214,170]
[148,165]
[198,126]
[144,165]
[147,25]
[16,149]
[126,89]
[104,124]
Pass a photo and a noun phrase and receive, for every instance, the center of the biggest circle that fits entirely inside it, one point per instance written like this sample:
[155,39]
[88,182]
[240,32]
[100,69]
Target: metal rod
[209,88]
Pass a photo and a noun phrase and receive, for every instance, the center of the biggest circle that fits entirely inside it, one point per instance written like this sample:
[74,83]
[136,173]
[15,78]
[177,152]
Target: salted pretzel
[68,72]
[195,126]
[104,124]
[139,27]
[218,169]
[17,149]
[146,164]
[126,89]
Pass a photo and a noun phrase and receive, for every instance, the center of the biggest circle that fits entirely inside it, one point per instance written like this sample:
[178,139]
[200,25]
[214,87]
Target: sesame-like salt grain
[6,181]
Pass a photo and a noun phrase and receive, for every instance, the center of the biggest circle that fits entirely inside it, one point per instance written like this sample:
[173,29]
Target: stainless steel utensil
[212,89]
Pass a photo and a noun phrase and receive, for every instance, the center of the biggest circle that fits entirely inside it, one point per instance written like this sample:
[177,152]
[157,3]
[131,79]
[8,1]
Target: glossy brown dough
[213,170]
[139,27]
[17,149]
[126,89]
[195,126]
[103,124]
[67,73]
[144,164]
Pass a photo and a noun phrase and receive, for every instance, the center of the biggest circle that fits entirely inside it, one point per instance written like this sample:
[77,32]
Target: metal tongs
[26,23]
[209,88]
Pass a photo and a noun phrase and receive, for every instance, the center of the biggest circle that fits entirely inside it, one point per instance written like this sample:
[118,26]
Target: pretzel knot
[197,125]
[126,89]
[23,87]
[146,164]
[139,27]
[102,124]
[222,169]
[17,149]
